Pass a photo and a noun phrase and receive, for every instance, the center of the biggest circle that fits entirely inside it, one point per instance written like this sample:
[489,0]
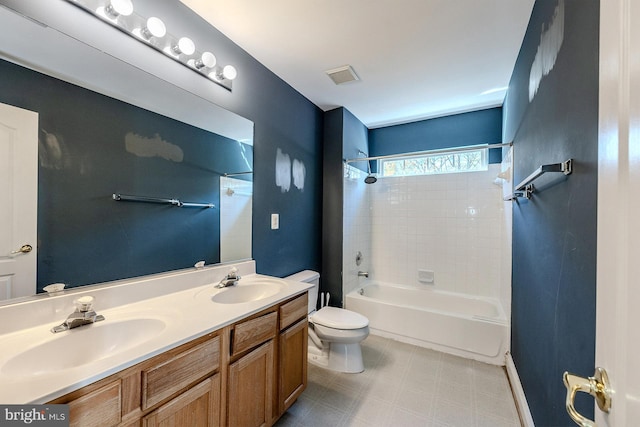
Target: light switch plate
[275,221]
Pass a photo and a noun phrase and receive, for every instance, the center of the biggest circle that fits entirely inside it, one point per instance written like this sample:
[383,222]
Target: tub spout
[363,274]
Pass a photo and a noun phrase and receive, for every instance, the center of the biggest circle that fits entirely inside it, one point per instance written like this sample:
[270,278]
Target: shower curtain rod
[422,153]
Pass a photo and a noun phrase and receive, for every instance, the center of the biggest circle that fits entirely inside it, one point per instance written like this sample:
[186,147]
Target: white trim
[518,392]
[617,343]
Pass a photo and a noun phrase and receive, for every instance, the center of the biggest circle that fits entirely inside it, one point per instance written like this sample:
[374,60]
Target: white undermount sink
[248,290]
[80,346]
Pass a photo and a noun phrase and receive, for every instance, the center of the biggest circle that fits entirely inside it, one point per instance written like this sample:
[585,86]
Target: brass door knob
[24,249]
[597,386]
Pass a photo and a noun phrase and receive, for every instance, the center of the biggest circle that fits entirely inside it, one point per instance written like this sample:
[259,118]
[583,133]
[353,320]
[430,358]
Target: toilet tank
[308,276]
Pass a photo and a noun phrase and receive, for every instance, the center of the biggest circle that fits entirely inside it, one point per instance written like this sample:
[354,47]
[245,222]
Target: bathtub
[471,327]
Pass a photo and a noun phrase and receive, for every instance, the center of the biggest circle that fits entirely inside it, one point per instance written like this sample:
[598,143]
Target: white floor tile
[405,386]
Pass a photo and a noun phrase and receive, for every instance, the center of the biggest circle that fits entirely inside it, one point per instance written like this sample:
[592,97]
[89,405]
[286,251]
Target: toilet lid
[339,318]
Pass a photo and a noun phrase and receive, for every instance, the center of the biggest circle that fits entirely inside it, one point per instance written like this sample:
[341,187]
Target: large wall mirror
[109,126]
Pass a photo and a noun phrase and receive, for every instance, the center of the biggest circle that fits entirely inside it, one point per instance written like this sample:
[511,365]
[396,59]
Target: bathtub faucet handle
[363,274]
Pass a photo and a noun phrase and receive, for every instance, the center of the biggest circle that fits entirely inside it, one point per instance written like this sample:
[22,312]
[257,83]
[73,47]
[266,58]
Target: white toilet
[334,333]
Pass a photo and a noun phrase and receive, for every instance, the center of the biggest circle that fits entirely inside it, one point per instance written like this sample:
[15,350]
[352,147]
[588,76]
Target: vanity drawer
[250,333]
[97,404]
[294,310]
[100,407]
[161,381]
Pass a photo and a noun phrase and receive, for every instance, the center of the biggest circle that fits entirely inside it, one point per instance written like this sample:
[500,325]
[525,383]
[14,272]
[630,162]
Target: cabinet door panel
[293,364]
[196,407]
[250,388]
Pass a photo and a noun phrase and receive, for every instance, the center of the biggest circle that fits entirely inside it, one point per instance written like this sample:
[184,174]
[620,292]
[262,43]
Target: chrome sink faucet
[84,314]
[231,279]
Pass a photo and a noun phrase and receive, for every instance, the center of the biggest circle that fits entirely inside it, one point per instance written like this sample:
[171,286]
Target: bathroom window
[463,161]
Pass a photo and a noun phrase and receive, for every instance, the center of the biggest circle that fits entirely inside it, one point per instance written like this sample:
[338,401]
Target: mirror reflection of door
[18,201]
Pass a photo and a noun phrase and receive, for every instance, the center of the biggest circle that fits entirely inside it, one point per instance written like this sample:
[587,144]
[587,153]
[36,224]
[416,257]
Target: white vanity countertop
[180,317]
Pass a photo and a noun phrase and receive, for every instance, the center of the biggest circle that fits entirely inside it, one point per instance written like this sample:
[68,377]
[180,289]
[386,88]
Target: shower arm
[366,157]
[370,179]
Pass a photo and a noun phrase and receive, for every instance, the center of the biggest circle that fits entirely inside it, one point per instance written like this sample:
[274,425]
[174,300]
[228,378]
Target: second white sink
[246,293]
[248,289]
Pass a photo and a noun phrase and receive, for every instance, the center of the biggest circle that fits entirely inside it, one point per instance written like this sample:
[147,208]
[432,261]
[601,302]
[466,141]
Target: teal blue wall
[286,120]
[476,127]
[554,234]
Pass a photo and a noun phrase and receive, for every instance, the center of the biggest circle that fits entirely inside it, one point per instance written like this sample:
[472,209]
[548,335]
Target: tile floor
[404,385]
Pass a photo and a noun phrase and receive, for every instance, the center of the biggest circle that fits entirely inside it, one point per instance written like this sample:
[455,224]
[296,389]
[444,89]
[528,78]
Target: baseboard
[518,393]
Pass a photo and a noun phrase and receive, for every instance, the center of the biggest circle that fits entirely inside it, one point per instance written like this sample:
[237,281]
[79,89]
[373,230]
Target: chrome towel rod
[238,174]
[174,202]
[525,188]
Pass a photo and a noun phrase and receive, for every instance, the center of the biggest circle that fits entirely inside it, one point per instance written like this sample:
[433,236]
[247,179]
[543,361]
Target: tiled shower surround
[356,228]
[235,219]
[452,224]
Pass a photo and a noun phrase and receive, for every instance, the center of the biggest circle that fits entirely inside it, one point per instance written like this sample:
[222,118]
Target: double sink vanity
[172,348]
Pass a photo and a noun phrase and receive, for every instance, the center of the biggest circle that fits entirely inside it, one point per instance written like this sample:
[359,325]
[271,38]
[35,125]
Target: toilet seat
[344,336]
[339,318]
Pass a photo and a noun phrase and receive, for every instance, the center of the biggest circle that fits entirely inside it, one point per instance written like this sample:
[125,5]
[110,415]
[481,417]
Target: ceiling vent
[341,75]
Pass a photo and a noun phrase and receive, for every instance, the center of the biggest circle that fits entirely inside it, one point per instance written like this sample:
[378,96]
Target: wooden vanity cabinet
[292,352]
[243,375]
[251,372]
[199,405]
[180,384]
[268,366]
[293,365]
[250,388]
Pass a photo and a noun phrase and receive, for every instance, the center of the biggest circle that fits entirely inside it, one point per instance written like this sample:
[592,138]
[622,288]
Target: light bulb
[155,28]
[229,72]
[119,7]
[207,59]
[185,45]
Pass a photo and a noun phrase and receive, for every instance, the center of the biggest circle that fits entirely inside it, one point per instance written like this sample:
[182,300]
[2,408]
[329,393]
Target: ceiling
[416,59]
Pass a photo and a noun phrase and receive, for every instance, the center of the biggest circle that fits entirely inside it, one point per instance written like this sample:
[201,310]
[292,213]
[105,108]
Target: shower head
[370,179]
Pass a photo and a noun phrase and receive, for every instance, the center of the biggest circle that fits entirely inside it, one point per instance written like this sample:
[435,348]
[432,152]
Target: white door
[18,201]
[618,262]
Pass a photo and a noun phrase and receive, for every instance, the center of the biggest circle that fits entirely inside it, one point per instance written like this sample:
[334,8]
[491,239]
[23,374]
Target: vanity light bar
[153,32]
